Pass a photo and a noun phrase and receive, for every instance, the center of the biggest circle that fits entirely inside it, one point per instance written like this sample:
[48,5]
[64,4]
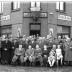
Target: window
[35,4]
[15,5]
[60,6]
[32,4]
[57,6]
[38,4]
[1,7]
[6,30]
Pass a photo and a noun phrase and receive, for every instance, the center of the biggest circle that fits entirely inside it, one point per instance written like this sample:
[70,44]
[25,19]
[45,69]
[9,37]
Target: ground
[4,68]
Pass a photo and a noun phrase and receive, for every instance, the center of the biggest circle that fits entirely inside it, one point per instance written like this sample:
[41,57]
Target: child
[59,55]
[52,56]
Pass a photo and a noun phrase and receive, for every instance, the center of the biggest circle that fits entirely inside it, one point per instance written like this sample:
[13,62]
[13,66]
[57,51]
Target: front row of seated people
[36,54]
[55,55]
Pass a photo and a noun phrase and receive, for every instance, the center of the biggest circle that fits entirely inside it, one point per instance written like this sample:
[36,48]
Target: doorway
[35,28]
[35,32]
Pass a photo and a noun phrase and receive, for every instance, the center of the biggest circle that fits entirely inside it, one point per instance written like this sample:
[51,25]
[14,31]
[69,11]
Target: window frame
[64,7]
[12,7]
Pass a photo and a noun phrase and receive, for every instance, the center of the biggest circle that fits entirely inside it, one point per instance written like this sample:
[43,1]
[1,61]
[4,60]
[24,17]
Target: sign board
[51,31]
[35,27]
[28,14]
[63,17]
[7,17]
[35,9]
[43,15]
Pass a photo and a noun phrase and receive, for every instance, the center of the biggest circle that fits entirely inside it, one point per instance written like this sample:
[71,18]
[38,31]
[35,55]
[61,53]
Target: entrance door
[35,32]
[35,29]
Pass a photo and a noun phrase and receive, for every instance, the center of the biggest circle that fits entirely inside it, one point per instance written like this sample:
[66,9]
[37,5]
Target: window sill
[15,10]
[61,11]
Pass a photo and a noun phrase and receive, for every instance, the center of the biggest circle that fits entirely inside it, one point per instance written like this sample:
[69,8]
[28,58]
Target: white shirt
[58,52]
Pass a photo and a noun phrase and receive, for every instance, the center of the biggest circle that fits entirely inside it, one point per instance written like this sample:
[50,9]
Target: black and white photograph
[35,36]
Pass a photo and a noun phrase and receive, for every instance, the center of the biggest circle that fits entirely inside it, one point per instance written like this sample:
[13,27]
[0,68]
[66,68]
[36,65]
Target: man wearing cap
[29,55]
[38,55]
[19,54]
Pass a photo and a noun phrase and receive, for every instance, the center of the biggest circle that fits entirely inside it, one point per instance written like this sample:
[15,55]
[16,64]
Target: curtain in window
[57,5]
[38,4]
[32,4]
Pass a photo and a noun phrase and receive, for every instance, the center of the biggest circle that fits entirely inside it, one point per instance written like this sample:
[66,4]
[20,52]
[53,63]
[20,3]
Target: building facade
[31,18]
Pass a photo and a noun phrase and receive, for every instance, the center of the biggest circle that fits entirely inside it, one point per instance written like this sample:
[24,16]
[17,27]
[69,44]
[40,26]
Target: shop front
[6,30]
[63,31]
[35,28]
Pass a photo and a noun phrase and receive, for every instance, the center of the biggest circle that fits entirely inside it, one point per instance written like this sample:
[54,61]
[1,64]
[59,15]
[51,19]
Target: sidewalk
[34,69]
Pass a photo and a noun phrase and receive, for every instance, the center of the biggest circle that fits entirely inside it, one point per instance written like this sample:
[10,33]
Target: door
[35,32]
[35,29]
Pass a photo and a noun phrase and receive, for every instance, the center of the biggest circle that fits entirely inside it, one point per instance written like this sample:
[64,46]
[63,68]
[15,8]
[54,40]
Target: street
[34,69]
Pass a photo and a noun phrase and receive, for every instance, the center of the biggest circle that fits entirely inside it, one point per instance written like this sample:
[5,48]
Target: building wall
[17,19]
[15,28]
[6,11]
[25,27]
[52,19]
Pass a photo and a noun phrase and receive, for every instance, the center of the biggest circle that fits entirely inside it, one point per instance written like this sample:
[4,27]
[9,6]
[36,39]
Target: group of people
[32,51]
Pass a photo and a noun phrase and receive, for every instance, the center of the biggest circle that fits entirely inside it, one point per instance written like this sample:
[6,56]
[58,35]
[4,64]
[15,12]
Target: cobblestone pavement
[34,69]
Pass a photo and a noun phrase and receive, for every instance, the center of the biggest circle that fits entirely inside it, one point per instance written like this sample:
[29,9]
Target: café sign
[63,17]
[42,15]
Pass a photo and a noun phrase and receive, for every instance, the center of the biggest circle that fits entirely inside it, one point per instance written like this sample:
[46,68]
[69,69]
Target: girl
[52,56]
[59,55]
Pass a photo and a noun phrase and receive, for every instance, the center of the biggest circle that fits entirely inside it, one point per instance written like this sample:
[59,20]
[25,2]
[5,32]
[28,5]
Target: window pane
[32,4]
[61,6]
[37,4]
[65,29]
[15,5]
[57,5]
